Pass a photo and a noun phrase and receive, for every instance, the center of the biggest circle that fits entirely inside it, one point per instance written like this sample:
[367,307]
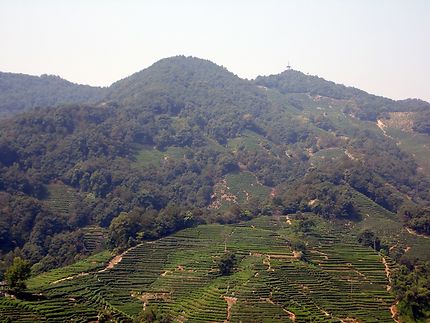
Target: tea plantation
[334,280]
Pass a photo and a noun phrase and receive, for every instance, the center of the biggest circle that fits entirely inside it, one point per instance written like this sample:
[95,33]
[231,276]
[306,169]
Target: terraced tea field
[94,238]
[238,188]
[60,198]
[178,275]
[152,157]
[388,226]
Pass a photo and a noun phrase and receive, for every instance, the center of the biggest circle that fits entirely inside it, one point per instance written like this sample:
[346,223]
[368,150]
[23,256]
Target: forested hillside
[186,142]
[21,92]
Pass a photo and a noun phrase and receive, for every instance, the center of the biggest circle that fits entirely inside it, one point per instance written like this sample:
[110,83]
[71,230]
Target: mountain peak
[177,74]
[177,66]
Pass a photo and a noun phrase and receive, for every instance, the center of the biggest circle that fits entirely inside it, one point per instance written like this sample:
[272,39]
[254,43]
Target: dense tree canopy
[411,283]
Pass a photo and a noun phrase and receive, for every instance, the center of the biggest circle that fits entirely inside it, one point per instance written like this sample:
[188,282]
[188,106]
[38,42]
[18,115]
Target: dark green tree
[306,225]
[411,285]
[153,315]
[369,239]
[227,263]
[17,274]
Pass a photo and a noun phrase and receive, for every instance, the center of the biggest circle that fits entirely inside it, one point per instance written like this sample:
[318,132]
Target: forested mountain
[21,92]
[186,142]
[362,105]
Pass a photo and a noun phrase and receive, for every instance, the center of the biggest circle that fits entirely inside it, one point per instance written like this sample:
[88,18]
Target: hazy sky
[381,46]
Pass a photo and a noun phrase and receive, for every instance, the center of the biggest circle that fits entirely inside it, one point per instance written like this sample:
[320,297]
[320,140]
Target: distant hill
[21,92]
[365,106]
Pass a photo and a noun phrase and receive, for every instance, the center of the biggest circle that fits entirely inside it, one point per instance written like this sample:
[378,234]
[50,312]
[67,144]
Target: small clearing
[297,254]
[273,192]
[221,193]
[313,202]
[165,273]
[146,297]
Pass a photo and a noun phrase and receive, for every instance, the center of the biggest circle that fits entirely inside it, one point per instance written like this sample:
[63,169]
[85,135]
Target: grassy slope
[179,274]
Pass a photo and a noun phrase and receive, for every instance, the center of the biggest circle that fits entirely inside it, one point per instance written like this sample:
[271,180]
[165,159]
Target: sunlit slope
[338,279]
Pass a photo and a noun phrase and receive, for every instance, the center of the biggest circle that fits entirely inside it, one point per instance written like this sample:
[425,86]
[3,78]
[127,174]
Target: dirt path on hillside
[111,264]
[69,278]
[146,297]
[291,315]
[395,312]
[382,126]
[414,233]
[393,308]
[266,261]
[230,302]
[387,272]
